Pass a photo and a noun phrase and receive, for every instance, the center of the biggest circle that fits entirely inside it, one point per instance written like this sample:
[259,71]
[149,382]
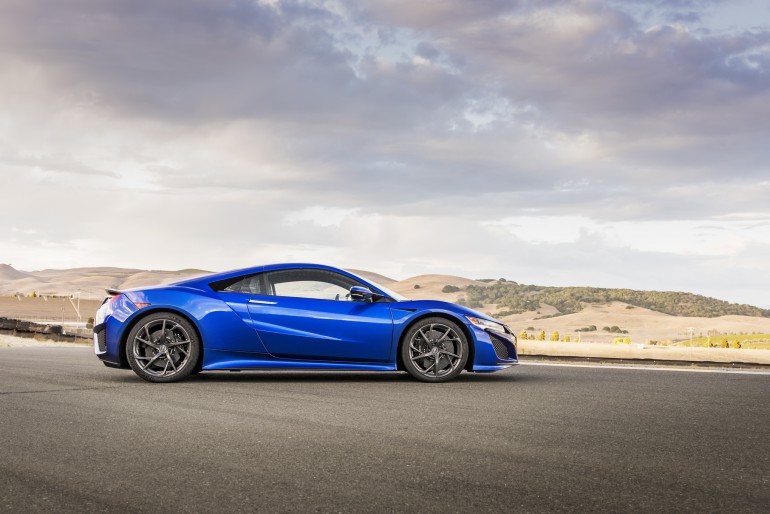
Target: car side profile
[294,316]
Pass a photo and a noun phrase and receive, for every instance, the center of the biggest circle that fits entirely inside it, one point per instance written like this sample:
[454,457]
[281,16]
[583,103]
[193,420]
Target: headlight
[486,324]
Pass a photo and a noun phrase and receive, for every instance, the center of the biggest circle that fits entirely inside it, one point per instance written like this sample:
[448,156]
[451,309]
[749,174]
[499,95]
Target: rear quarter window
[251,284]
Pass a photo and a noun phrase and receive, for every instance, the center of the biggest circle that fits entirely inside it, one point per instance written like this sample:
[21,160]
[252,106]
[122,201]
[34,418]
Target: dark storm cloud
[196,61]
[593,68]
[180,59]
[667,104]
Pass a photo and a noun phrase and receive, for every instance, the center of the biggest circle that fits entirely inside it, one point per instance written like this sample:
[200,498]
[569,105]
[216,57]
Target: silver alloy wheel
[162,347]
[436,350]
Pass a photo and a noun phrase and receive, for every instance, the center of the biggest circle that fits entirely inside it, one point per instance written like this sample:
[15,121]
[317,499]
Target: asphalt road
[76,436]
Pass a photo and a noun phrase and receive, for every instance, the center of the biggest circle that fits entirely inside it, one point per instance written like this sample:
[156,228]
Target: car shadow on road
[349,376]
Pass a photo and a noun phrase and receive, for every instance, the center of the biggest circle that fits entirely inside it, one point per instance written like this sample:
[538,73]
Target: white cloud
[727,236]
[319,215]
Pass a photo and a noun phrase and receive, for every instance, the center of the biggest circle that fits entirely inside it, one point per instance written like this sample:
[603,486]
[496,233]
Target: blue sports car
[293,316]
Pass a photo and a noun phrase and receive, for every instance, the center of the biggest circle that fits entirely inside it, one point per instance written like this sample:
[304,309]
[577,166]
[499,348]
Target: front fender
[483,356]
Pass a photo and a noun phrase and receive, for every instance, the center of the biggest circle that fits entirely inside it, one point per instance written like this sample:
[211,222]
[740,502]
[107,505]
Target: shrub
[567,339]
[450,289]
[736,344]
[90,323]
[417,286]
[621,340]
[523,335]
[554,336]
[541,336]
[530,328]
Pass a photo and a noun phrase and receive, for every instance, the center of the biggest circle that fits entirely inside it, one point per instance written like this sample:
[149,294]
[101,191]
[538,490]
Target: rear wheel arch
[146,312]
[454,319]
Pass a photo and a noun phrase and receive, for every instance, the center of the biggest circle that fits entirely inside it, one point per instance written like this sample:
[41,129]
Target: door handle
[262,302]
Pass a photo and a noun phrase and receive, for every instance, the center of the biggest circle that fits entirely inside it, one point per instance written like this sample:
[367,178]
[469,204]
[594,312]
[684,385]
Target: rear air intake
[101,340]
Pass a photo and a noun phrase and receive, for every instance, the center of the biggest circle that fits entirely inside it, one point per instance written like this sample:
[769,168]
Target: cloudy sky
[604,143]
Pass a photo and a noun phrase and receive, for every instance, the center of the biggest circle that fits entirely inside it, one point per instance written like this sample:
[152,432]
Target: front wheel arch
[146,312]
[454,319]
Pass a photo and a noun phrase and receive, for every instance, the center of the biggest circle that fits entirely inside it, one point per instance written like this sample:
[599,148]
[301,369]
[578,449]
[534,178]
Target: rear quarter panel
[219,326]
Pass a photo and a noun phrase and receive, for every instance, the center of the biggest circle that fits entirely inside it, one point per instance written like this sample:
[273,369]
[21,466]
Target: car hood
[438,305]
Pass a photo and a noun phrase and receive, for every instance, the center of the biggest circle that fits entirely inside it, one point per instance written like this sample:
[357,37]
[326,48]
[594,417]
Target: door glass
[311,283]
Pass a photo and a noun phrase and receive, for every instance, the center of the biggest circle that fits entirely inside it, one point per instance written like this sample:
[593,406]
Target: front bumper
[494,350]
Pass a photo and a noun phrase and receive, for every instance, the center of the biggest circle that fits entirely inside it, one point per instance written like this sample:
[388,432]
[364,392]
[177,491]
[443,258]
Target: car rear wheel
[434,350]
[163,347]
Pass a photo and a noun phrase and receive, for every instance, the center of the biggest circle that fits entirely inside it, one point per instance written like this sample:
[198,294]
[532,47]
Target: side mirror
[363,294]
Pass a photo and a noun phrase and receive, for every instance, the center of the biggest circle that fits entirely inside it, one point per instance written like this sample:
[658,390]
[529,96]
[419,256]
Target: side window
[310,283]
[251,284]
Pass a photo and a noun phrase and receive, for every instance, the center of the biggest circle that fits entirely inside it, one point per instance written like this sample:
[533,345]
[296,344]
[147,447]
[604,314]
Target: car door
[236,293]
[308,315]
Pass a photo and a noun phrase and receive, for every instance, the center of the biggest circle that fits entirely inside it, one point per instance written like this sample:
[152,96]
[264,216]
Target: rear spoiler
[112,293]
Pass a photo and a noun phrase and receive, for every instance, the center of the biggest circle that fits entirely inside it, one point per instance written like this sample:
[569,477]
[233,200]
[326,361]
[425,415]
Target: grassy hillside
[513,298]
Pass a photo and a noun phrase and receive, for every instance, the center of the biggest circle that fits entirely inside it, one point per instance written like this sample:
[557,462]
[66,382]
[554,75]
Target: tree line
[513,298]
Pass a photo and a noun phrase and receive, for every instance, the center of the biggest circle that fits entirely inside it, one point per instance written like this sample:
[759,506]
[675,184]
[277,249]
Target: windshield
[392,294]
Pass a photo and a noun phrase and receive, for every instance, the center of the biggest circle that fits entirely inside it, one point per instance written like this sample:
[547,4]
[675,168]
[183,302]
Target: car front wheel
[434,350]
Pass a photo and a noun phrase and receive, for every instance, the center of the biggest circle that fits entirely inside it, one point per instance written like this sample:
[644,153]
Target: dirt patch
[8,341]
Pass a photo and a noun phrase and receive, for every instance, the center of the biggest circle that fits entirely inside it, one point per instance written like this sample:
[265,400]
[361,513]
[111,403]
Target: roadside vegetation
[513,298]
[748,341]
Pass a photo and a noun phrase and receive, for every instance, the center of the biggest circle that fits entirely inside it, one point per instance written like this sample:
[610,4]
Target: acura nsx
[294,316]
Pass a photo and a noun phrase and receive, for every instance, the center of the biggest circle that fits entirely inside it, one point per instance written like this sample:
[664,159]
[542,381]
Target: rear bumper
[109,323]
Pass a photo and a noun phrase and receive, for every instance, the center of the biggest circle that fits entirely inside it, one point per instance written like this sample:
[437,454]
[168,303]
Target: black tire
[163,347]
[434,350]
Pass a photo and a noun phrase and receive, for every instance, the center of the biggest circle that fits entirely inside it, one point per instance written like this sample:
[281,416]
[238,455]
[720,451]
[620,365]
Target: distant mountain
[374,277]
[8,273]
[91,282]
[502,298]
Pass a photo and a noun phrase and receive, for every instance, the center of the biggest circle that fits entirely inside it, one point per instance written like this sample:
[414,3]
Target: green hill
[513,298]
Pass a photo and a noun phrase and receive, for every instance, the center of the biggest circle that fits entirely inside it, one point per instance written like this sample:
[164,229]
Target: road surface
[76,436]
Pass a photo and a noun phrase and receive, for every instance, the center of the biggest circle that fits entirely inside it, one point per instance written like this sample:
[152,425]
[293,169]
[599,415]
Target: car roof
[204,281]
